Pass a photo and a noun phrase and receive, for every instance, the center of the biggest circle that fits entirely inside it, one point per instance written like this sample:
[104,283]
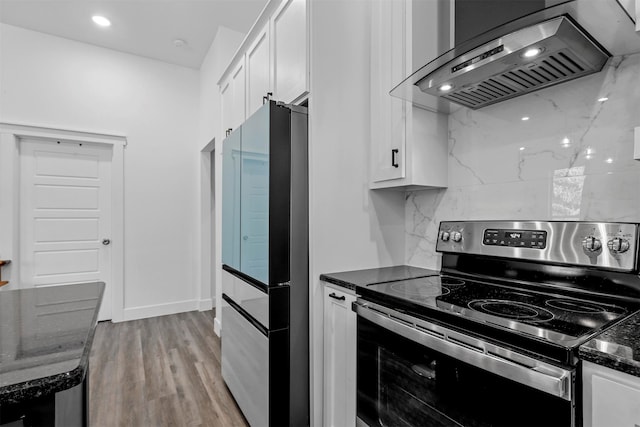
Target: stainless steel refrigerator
[265,310]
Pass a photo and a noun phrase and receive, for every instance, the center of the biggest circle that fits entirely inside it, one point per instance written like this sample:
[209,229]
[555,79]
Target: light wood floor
[163,371]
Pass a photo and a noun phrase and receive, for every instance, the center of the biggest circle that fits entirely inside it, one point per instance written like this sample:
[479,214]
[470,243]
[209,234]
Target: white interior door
[65,215]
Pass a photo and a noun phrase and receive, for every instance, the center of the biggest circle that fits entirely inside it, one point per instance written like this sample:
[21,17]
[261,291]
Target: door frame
[11,135]
[208,244]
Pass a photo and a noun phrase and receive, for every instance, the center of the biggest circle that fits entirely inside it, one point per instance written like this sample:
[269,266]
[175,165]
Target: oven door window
[402,383]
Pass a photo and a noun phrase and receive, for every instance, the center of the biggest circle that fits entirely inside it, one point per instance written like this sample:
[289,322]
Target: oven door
[414,373]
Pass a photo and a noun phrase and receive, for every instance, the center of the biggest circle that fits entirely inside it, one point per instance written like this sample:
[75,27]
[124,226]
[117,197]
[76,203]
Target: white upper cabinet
[290,51]
[273,58]
[408,144]
[258,71]
[232,89]
[388,65]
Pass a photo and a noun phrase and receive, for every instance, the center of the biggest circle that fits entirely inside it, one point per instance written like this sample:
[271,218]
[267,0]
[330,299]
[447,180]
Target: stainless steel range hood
[558,44]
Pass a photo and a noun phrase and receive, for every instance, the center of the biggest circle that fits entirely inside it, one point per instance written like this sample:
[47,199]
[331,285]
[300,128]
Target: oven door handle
[542,376]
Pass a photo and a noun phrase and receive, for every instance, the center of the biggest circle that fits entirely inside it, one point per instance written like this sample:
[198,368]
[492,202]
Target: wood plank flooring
[163,371]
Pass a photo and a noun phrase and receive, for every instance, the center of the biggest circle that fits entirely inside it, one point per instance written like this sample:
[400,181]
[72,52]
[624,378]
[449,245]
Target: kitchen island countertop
[617,348]
[45,339]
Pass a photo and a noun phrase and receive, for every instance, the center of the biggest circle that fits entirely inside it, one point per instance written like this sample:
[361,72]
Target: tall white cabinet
[340,326]
[272,61]
[409,145]
[290,43]
[258,65]
[232,92]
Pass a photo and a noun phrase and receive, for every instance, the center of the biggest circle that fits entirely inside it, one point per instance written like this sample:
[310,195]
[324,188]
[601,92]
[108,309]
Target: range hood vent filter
[551,70]
[499,70]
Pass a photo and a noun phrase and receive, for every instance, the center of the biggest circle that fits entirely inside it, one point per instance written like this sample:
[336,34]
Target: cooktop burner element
[449,281]
[576,306]
[511,309]
[418,288]
[540,313]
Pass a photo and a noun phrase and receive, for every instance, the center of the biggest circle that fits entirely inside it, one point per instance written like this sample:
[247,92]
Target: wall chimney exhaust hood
[557,44]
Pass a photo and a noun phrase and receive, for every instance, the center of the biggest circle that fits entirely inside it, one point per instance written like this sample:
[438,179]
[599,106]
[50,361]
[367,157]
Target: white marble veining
[571,160]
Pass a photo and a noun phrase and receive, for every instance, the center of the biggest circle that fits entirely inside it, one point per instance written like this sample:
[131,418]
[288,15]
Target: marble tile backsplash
[571,159]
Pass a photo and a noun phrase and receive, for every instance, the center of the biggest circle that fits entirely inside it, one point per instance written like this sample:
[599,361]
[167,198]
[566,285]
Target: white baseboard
[217,326]
[146,311]
[205,304]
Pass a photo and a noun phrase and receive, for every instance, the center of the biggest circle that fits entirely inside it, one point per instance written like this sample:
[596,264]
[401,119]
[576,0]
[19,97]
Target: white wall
[350,226]
[56,82]
[210,138]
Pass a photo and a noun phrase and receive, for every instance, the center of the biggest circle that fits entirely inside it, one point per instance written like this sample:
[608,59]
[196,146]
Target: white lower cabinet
[339,358]
[611,398]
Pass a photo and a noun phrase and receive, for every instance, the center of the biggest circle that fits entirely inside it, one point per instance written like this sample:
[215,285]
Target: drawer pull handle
[339,298]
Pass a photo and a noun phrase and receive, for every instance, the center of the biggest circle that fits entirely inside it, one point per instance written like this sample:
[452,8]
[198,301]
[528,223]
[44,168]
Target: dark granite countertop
[359,278]
[45,338]
[616,348]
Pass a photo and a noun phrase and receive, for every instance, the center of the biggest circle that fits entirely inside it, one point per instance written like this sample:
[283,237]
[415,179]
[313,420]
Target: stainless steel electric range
[492,340]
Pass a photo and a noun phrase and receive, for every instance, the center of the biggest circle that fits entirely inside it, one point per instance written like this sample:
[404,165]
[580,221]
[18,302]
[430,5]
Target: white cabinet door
[238,82]
[226,94]
[611,398]
[258,71]
[232,92]
[409,145]
[290,51]
[388,131]
[339,358]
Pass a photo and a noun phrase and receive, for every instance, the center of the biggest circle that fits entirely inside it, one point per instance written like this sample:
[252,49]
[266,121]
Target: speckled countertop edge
[19,392]
[360,278]
[617,348]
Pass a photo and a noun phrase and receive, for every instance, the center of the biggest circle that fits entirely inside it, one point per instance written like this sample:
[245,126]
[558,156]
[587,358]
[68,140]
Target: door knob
[245,237]
[106,241]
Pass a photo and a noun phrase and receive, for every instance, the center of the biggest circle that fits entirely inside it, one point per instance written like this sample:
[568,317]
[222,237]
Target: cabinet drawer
[245,365]
[610,397]
[339,297]
[252,300]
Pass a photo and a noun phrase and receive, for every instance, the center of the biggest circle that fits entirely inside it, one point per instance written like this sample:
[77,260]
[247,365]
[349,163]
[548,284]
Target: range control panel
[597,244]
[517,238]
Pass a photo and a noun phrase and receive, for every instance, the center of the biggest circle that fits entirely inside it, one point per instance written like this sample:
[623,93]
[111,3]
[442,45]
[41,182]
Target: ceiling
[141,27]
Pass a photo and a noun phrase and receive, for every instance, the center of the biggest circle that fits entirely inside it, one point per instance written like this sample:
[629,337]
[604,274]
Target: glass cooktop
[561,319]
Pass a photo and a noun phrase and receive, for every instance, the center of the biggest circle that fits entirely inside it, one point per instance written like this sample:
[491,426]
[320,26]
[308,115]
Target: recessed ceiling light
[530,53]
[179,43]
[445,87]
[609,160]
[521,148]
[566,142]
[603,99]
[101,21]
[525,118]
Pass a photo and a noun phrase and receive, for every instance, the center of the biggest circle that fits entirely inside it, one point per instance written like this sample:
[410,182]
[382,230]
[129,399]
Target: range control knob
[618,245]
[456,236]
[591,244]
[444,236]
